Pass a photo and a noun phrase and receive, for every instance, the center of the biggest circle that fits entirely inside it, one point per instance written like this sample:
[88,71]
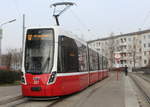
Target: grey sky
[101,17]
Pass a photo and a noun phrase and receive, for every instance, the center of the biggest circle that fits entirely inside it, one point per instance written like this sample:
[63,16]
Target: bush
[9,76]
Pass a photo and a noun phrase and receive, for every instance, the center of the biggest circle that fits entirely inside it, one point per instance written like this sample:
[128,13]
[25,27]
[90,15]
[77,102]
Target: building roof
[121,35]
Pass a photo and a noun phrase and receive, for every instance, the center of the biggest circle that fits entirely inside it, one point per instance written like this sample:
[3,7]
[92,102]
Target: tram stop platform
[115,93]
[109,92]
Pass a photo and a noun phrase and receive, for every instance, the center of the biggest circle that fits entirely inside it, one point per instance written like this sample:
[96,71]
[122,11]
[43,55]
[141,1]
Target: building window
[125,61]
[121,40]
[145,61]
[117,41]
[124,39]
[130,62]
[144,37]
[125,47]
[97,44]
[98,49]
[148,44]
[140,57]
[121,61]
[149,36]
[129,39]
[145,53]
[144,45]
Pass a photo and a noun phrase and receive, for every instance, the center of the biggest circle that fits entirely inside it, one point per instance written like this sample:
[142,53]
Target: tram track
[14,102]
[141,87]
[145,78]
[9,99]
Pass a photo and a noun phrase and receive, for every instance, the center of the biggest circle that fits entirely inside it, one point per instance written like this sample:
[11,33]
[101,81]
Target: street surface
[6,91]
[142,90]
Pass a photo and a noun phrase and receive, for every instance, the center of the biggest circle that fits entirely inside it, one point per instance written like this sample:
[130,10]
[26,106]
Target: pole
[118,69]
[1,34]
[23,30]
[23,33]
[7,22]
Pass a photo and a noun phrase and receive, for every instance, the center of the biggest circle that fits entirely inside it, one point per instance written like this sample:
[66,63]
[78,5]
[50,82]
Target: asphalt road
[6,91]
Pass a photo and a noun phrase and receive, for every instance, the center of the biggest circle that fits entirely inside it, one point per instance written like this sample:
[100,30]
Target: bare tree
[12,59]
[110,50]
[133,52]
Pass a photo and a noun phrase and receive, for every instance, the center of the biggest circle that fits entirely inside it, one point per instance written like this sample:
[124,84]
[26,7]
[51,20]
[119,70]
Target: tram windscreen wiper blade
[46,63]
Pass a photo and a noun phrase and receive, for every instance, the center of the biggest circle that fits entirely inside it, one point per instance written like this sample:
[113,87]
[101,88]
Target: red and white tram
[57,63]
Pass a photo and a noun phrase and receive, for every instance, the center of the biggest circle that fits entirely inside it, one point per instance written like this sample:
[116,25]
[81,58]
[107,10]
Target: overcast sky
[91,19]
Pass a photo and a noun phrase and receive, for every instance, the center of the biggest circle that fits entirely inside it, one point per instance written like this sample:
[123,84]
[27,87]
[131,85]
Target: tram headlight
[22,80]
[52,77]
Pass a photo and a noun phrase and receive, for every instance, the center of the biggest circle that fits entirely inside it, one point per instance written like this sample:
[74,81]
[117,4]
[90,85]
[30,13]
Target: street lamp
[1,33]
[7,22]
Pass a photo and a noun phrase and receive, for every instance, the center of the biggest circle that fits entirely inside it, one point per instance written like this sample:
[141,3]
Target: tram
[57,63]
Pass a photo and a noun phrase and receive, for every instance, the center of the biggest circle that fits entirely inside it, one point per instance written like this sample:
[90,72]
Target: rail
[145,95]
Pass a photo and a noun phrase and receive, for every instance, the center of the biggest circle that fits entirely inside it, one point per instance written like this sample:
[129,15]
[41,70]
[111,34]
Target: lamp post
[1,32]
[7,22]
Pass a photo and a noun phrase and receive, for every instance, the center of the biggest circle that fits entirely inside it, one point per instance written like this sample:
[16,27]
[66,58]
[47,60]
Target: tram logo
[36,80]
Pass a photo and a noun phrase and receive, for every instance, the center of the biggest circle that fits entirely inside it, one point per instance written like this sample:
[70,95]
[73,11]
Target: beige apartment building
[134,49]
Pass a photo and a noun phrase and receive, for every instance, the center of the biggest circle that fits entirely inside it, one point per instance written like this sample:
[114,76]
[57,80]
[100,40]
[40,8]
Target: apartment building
[134,48]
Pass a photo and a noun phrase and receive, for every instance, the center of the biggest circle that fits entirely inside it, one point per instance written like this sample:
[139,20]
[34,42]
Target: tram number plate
[35,88]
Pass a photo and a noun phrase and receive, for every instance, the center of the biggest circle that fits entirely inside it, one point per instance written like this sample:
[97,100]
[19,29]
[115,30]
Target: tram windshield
[39,51]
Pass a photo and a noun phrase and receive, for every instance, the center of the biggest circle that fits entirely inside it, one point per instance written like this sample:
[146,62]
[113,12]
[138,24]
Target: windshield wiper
[46,63]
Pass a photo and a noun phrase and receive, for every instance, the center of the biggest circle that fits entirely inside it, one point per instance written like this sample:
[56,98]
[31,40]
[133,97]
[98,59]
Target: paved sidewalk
[130,94]
[6,91]
[117,93]
[113,93]
[110,95]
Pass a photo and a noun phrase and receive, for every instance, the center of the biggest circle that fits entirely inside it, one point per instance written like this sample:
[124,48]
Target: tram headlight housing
[52,77]
[22,80]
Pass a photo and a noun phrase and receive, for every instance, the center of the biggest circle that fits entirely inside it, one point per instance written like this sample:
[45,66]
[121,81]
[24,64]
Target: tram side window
[82,57]
[93,60]
[68,55]
[100,62]
[105,63]
[90,60]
